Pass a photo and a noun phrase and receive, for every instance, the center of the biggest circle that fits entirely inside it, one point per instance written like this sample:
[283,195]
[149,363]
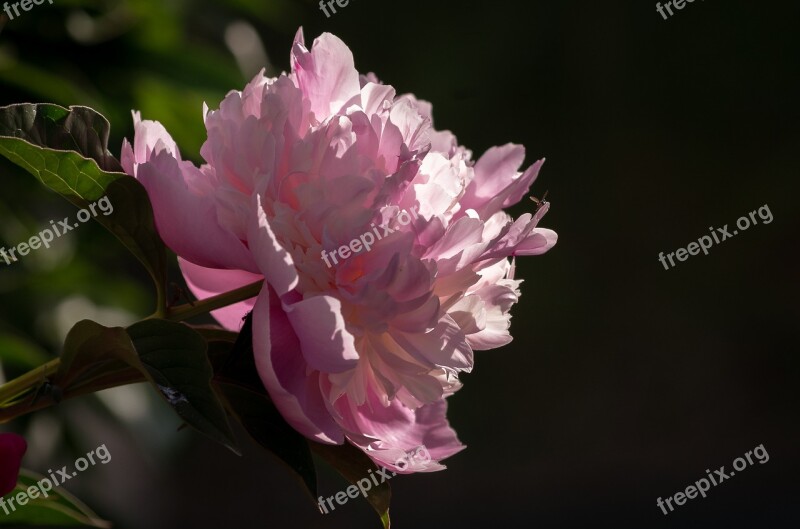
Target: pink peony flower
[12,448]
[367,349]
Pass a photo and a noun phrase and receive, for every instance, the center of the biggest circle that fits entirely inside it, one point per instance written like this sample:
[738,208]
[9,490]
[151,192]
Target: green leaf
[92,353]
[353,465]
[169,355]
[215,333]
[239,364]
[176,360]
[67,150]
[59,508]
[133,223]
[79,129]
[248,401]
[258,415]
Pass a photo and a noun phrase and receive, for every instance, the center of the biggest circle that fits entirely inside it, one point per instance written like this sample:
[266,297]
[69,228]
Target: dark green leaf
[239,365]
[353,465]
[258,415]
[175,357]
[169,355]
[132,222]
[91,352]
[77,128]
[214,333]
[66,149]
[248,401]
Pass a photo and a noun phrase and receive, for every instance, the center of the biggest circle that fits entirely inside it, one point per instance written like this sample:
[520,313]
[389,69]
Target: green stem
[188,311]
[122,378]
[22,384]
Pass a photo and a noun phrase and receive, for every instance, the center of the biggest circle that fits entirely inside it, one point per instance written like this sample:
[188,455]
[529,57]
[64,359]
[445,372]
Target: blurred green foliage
[163,58]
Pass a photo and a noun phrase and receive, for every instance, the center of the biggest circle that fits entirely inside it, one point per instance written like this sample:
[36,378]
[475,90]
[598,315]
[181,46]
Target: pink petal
[325,342]
[387,434]
[444,346]
[462,233]
[373,97]
[272,258]
[285,373]
[188,222]
[537,243]
[150,137]
[326,75]
[494,172]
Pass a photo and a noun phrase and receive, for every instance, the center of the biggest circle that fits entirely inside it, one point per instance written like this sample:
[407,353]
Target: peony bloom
[368,347]
[12,448]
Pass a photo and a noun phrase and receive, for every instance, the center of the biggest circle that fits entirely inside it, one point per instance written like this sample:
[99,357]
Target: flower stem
[190,310]
[22,384]
[113,380]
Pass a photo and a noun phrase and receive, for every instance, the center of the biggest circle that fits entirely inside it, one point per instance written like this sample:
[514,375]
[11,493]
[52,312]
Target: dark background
[624,383]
